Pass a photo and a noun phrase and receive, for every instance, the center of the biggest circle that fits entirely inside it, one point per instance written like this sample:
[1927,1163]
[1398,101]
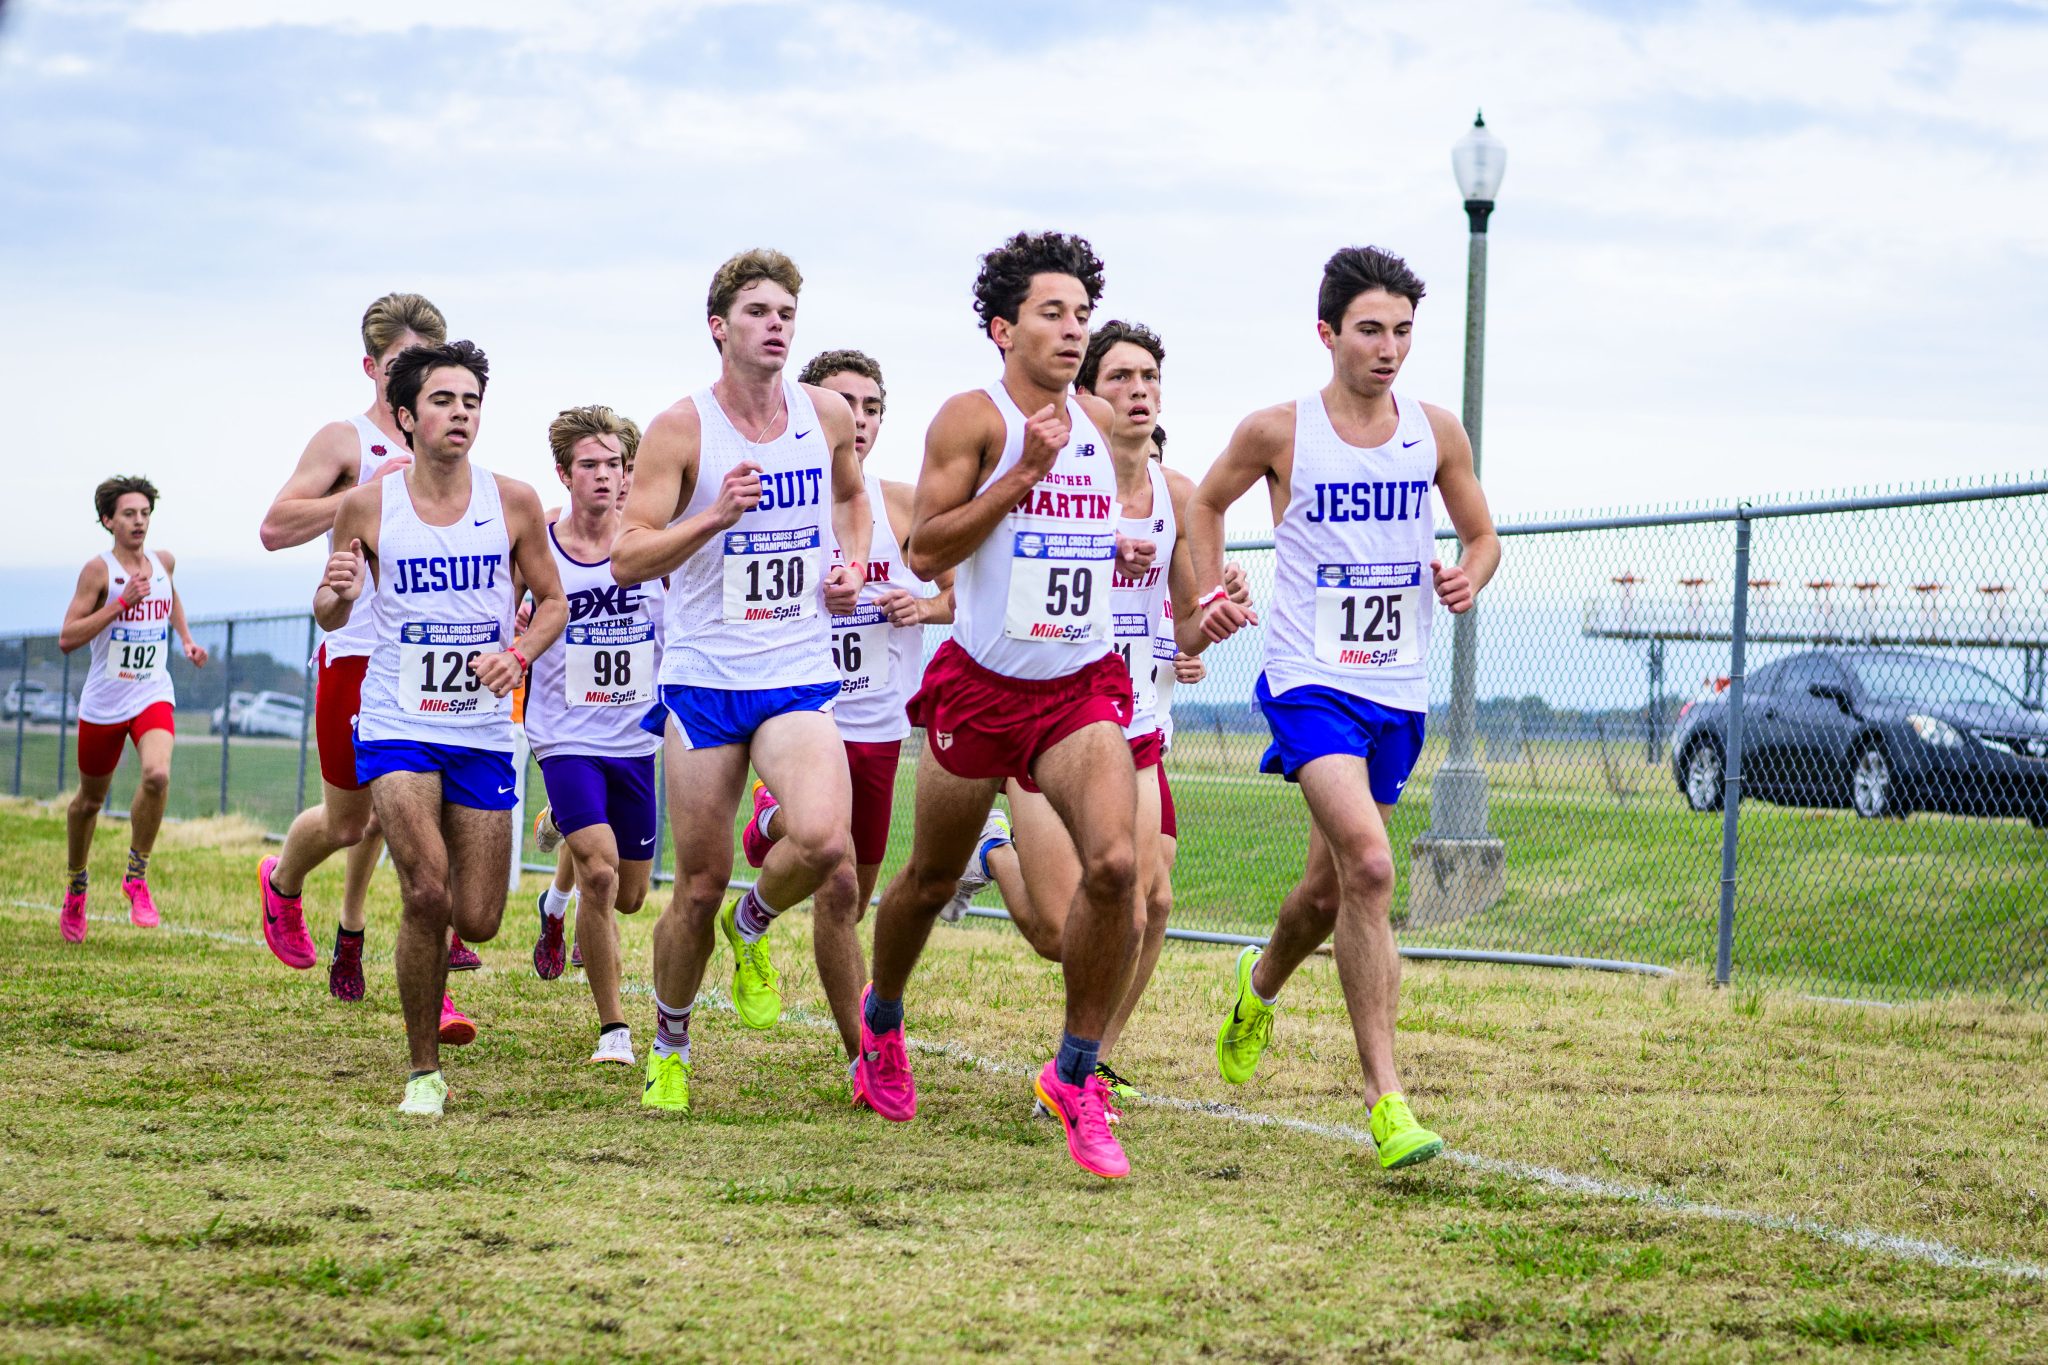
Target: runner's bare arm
[195,654]
[1258,449]
[352,562]
[1458,484]
[526,526]
[853,521]
[306,506]
[904,608]
[90,610]
[1180,571]
[949,519]
[665,474]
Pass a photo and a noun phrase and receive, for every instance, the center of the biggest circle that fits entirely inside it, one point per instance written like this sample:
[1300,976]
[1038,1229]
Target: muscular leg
[593,852]
[1368,967]
[704,788]
[1089,780]
[950,813]
[341,820]
[1150,846]
[1038,872]
[802,759]
[83,814]
[479,849]
[1308,916]
[146,812]
[836,912]
[409,808]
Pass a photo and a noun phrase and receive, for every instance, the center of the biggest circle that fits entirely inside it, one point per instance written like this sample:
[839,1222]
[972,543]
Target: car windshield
[1922,678]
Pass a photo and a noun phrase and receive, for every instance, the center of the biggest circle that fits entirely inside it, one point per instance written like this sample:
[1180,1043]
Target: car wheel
[1706,783]
[1873,785]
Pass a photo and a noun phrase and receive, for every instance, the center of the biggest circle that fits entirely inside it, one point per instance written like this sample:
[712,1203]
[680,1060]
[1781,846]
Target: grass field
[1604,860]
[201,1162]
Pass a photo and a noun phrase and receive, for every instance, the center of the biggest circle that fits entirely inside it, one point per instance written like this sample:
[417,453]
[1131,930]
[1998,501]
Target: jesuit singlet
[879,664]
[130,668]
[444,596]
[359,636]
[1137,605]
[588,693]
[1352,595]
[1033,600]
[747,611]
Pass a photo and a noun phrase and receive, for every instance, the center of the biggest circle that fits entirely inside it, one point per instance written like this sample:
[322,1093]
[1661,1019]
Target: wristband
[1213,595]
[513,650]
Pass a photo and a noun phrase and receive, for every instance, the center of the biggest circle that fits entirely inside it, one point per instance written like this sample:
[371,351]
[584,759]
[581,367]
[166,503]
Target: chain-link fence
[1799,744]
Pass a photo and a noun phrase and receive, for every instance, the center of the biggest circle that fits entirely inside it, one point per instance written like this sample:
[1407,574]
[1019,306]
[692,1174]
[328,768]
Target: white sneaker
[615,1045]
[426,1095]
[545,835]
[995,832]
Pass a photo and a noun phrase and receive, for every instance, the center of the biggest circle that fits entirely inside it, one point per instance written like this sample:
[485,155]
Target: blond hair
[573,424]
[392,316]
[746,268]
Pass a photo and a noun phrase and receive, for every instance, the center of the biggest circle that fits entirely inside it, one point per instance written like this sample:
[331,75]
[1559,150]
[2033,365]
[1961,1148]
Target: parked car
[52,708]
[278,714]
[1884,732]
[22,696]
[230,716]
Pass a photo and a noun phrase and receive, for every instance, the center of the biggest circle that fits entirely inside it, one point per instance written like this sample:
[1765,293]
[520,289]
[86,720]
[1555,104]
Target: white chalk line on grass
[1895,1245]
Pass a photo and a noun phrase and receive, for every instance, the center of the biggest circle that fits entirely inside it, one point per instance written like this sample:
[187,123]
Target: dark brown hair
[1005,279]
[111,491]
[825,364]
[1359,270]
[413,364]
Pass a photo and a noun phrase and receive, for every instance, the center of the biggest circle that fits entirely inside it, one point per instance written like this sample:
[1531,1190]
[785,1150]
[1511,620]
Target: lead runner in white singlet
[444,539]
[341,456]
[1350,469]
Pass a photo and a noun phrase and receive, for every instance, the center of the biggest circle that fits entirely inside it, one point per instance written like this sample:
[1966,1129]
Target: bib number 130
[1369,616]
[770,575]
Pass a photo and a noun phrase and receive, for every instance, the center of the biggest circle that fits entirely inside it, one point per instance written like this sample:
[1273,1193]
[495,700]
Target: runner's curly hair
[1005,279]
[825,364]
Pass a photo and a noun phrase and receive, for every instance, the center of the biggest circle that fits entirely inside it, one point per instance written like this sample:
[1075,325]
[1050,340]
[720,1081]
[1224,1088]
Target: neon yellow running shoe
[755,997]
[425,1095]
[1244,1035]
[668,1083]
[1401,1140]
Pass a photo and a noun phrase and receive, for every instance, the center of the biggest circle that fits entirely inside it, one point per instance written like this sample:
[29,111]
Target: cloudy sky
[1741,248]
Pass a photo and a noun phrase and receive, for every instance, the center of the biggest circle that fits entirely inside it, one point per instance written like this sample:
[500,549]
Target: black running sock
[609,1028]
[1077,1057]
[883,1015]
[342,936]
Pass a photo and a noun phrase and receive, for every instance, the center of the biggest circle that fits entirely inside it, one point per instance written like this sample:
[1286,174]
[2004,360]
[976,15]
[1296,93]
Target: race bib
[1369,616]
[1059,586]
[608,663]
[771,575]
[1134,644]
[136,651]
[860,646]
[434,681]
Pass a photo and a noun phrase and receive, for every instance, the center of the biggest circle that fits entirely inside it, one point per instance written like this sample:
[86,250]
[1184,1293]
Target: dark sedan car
[1882,731]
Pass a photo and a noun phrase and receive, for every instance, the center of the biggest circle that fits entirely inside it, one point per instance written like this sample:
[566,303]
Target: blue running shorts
[481,779]
[711,716]
[1311,722]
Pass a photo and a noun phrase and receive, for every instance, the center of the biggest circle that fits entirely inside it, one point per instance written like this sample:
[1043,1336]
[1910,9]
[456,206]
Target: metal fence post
[227,711]
[1731,775]
[63,722]
[306,708]
[20,715]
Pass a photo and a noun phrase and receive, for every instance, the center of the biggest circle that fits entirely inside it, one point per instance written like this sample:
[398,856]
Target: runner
[880,649]
[1019,490]
[1346,682]
[124,607]
[583,708]
[434,738]
[340,456]
[1040,873]
[730,503]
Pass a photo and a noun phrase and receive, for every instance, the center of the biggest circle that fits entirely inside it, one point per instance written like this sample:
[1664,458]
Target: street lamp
[1458,867]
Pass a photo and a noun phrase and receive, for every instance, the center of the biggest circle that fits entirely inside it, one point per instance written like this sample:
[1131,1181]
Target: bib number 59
[1069,591]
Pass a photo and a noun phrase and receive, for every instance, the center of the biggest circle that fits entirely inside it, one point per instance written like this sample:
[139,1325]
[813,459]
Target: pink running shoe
[456,1029]
[1083,1110]
[752,842]
[345,973]
[71,921]
[575,955]
[881,1074]
[547,946]
[141,907]
[462,957]
[284,923]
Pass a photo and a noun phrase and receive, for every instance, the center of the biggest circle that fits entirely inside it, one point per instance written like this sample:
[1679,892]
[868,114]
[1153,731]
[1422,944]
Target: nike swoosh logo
[648,840]
[503,790]
[801,434]
[486,521]
[1404,445]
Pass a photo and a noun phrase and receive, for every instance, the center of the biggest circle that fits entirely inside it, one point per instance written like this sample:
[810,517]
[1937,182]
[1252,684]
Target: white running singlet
[1032,601]
[130,668]
[444,597]
[747,611]
[588,693]
[1352,596]
[1165,648]
[359,636]
[879,664]
[1136,602]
